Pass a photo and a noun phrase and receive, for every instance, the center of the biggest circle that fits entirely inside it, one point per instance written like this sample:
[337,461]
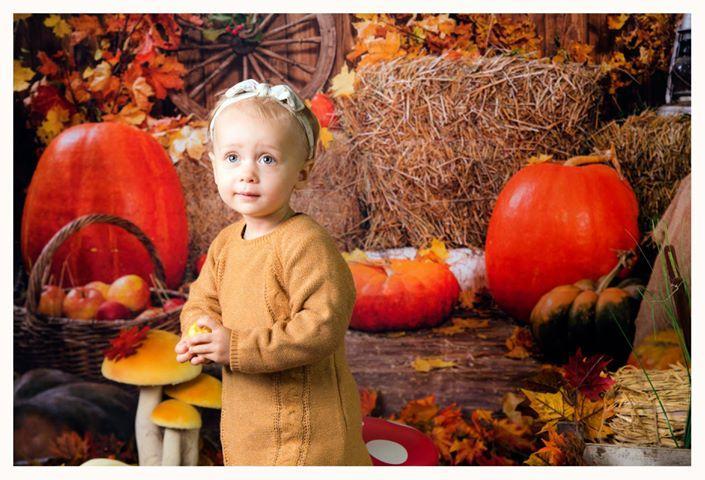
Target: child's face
[256,155]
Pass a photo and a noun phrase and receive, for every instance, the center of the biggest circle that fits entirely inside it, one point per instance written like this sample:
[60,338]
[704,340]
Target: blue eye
[231,157]
[268,156]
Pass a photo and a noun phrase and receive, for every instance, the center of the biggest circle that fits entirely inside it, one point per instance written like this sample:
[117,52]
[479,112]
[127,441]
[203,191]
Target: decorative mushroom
[174,416]
[203,391]
[392,443]
[145,358]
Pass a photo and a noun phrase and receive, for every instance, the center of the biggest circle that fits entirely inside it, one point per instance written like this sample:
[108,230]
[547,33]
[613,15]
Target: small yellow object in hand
[194,329]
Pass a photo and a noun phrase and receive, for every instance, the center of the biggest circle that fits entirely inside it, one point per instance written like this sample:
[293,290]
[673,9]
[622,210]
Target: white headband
[285,95]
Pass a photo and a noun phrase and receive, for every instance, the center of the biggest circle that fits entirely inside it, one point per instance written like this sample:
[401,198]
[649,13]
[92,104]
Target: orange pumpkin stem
[608,156]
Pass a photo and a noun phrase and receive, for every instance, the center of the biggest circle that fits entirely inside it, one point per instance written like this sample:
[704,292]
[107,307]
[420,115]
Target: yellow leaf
[99,77]
[460,325]
[356,255]
[593,416]
[58,25]
[326,137]
[551,407]
[437,248]
[426,364]
[22,76]
[130,114]
[342,85]
[53,124]
[141,91]
[615,22]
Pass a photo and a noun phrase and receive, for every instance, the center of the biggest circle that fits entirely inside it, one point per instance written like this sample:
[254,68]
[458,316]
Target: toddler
[276,294]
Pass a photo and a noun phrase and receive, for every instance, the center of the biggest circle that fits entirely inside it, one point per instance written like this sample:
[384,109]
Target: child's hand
[182,348]
[213,346]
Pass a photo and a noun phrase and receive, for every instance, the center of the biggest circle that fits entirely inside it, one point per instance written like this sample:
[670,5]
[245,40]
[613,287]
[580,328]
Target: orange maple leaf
[164,73]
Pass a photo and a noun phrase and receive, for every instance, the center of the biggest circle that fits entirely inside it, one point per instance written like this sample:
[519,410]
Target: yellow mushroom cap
[153,364]
[203,391]
[176,414]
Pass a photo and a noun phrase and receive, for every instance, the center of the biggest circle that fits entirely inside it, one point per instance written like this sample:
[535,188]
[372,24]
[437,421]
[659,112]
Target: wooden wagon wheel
[230,48]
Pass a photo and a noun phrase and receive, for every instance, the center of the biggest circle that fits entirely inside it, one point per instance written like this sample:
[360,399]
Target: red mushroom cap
[391,443]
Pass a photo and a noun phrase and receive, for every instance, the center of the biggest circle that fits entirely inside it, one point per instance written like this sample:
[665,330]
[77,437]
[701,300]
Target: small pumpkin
[589,315]
[658,351]
[402,294]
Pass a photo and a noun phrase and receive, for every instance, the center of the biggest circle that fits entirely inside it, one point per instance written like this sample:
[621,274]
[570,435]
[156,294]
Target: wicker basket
[71,345]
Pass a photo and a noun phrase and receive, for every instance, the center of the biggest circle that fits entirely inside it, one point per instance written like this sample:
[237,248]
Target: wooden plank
[481,378]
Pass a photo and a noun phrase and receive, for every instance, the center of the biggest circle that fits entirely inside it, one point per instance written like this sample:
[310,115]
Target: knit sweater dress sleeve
[203,292]
[321,293]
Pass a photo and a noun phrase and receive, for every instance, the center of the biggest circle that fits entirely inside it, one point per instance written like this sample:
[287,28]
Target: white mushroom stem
[189,446]
[147,434]
[171,455]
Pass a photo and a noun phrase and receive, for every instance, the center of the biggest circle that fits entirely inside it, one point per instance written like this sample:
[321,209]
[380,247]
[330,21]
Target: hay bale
[205,211]
[654,152]
[639,418]
[330,197]
[433,140]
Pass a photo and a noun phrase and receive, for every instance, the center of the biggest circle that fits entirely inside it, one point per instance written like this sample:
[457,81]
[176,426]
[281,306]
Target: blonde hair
[269,108]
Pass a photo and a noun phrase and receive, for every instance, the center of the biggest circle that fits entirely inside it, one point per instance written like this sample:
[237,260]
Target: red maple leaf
[126,343]
[587,374]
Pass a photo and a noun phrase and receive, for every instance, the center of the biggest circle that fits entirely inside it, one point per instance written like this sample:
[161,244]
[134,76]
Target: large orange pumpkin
[554,224]
[108,168]
[402,294]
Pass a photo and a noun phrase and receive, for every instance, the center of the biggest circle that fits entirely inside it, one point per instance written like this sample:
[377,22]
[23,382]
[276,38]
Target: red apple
[130,290]
[102,287]
[51,300]
[150,313]
[112,310]
[82,303]
[200,261]
[173,304]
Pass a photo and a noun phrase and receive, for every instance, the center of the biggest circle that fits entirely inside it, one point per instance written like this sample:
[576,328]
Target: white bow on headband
[285,95]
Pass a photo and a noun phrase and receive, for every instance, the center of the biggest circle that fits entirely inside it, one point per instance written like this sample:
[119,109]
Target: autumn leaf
[141,91]
[436,251]
[71,447]
[426,364]
[550,407]
[53,124]
[615,22]
[126,343]
[551,453]
[418,411]
[460,325]
[58,25]
[588,374]
[130,114]
[164,73]
[84,26]
[326,137]
[188,140]
[343,84]
[356,255]
[368,401]
[520,344]
[593,416]
[22,76]
[99,79]
[48,67]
